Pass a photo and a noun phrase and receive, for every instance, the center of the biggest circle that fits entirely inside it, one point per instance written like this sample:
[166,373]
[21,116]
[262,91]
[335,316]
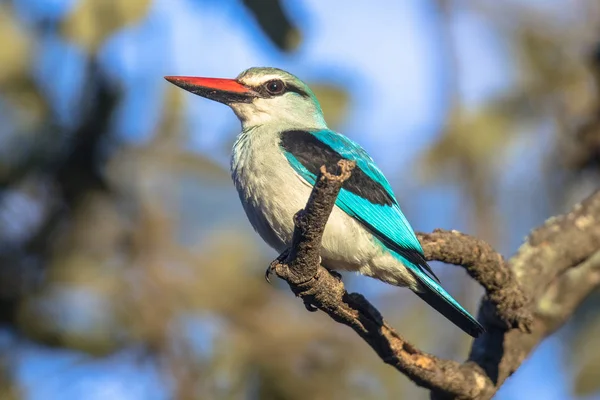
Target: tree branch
[487,267]
[551,256]
[515,323]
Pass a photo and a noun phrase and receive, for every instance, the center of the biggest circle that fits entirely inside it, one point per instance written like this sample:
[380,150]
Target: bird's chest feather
[269,189]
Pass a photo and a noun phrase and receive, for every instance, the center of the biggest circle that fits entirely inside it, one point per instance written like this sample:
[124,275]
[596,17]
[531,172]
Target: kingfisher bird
[275,162]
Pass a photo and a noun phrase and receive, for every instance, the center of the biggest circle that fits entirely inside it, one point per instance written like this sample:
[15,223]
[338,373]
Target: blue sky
[394,68]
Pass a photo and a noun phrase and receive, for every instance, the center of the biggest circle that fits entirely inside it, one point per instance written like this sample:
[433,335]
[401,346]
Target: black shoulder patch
[312,154]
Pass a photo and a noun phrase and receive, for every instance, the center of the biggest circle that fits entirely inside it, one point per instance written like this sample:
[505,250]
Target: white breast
[270,196]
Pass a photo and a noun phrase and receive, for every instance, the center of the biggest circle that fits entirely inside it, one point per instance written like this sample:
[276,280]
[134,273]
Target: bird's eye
[275,87]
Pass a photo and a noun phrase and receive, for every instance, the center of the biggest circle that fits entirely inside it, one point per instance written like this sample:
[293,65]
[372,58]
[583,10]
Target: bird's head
[261,96]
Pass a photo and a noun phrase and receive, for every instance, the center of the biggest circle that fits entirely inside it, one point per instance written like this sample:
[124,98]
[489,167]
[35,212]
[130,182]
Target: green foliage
[94,21]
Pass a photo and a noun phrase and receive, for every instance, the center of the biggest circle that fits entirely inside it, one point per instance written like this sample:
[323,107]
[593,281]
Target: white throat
[279,114]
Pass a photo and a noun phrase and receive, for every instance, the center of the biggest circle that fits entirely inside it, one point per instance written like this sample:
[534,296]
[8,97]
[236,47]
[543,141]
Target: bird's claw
[280,260]
[269,271]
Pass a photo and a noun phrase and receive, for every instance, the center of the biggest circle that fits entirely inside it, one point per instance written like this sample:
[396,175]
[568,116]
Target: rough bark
[527,297]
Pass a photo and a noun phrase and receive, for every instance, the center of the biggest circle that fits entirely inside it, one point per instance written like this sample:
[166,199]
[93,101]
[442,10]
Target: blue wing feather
[387,222]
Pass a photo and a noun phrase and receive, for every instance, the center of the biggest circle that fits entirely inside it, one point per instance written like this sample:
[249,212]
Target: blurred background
[127,267]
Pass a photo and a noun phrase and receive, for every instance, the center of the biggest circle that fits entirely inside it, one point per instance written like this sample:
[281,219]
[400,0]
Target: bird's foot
[273,266]
[269,271]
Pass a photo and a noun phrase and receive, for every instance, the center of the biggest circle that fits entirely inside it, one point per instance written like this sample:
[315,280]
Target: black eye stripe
[263,89]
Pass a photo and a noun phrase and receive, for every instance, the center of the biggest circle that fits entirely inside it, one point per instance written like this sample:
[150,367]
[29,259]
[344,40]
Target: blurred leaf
[273,21]
[93,21]
[16,83]
[472,138]
[15,58]
[334,101]
[586,356]
[30,106]
[169,130]
[8,388]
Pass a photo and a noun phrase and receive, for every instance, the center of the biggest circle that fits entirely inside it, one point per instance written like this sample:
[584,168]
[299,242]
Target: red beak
[222,90]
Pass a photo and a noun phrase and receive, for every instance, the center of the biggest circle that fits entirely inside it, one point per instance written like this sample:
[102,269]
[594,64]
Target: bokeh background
[127,267]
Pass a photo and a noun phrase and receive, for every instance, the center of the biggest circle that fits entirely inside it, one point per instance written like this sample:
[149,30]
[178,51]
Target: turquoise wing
[367,196]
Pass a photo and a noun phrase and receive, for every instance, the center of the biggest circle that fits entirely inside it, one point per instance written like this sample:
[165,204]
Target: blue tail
[441,300]
[438,298]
